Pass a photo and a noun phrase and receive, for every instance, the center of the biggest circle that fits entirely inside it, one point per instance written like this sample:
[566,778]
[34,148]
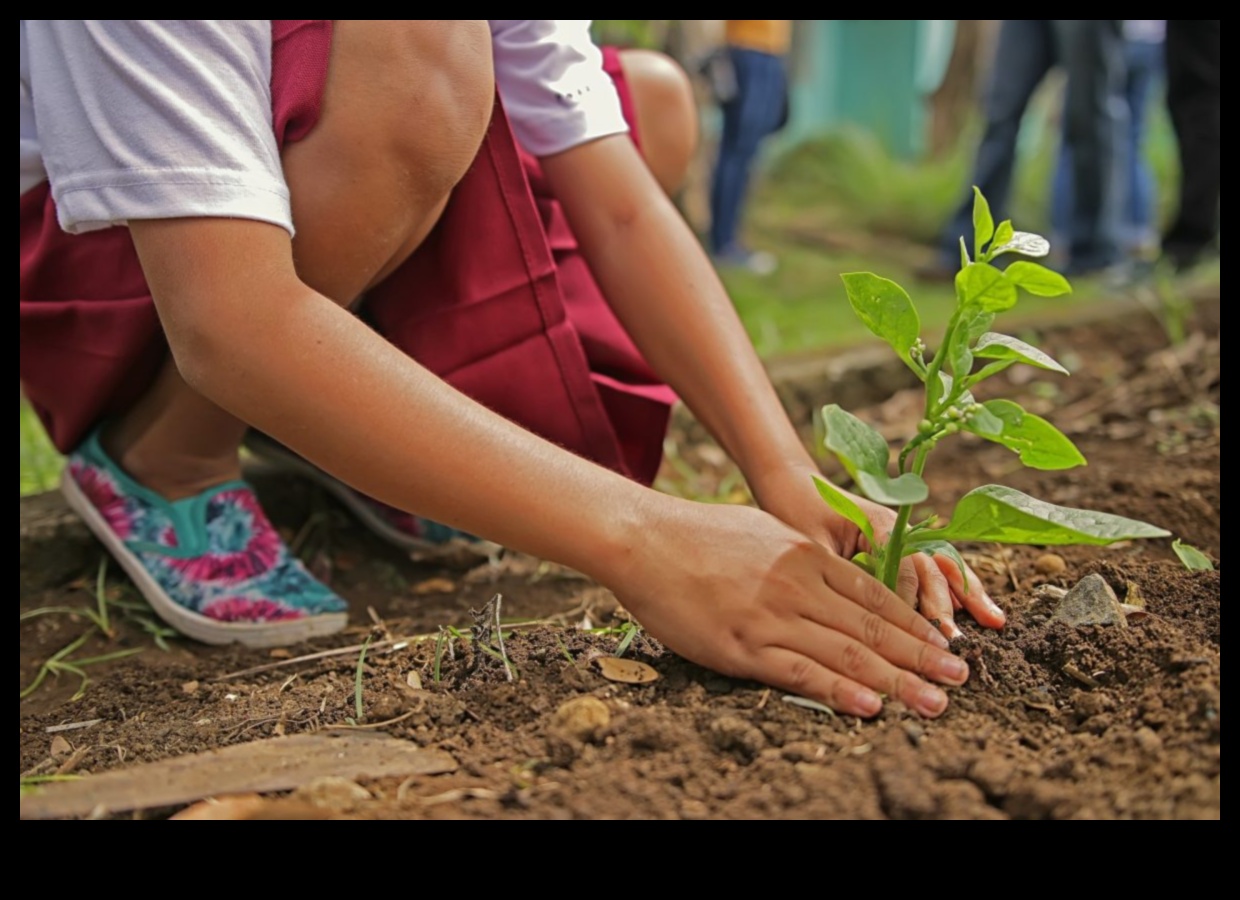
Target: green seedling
[630,630]
[61,661]
[992,513]
[1194,560]
[564,651]
[487,625]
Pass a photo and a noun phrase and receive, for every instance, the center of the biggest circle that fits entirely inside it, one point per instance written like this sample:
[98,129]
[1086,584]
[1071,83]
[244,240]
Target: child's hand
[737,590]
[935,583]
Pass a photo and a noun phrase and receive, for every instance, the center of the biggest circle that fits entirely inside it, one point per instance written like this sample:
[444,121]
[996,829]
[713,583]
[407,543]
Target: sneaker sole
[266,450]
[189,623]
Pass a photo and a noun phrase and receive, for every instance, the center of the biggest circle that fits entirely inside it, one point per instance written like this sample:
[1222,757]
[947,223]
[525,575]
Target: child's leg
[367,185]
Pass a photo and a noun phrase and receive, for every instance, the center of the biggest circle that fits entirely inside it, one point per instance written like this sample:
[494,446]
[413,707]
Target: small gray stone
[1090,602]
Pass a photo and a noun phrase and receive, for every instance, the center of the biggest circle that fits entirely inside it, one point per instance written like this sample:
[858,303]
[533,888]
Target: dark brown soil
[1056,722]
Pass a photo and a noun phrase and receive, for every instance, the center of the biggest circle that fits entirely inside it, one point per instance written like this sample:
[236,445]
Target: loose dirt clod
[332,792]
[582,718]
[1050,564]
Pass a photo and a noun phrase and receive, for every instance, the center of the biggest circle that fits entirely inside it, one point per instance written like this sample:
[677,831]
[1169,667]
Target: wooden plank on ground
[275,764]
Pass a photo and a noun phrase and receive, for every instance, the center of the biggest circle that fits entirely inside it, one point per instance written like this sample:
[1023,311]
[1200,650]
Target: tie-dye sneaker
[212,566]
[401,529]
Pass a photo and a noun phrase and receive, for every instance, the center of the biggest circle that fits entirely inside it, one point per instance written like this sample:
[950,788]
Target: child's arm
[666,293]
[729,587]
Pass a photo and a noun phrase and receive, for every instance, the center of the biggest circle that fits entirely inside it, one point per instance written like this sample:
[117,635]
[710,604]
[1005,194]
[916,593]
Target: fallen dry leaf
[627,671]
[60,747]
[434,586]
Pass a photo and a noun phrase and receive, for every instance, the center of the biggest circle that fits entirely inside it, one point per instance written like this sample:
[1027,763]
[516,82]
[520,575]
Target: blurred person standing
[1194,101]
[1144,50]
[757,107]
[1091,52]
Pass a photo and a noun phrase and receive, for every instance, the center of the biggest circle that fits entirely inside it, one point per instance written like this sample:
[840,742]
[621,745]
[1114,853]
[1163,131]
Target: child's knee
[667,117]
[405,108]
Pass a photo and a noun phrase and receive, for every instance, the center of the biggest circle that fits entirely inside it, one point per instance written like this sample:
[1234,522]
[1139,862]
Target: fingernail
[953,669]
[867,703]
[994,608]
[931,701]
[952,631]
[935,637]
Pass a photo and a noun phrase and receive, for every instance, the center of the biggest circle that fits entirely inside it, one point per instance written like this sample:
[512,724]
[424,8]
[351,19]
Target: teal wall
[873,73]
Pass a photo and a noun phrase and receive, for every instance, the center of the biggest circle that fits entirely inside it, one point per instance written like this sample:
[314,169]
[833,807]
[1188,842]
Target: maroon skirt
[497,301]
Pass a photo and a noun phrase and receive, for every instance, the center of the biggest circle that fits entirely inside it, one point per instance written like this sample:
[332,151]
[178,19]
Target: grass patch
[39,462]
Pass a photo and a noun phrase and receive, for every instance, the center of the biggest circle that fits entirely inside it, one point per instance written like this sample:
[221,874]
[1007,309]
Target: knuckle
[925,655]
[854,659]
[876,630]
[874,596]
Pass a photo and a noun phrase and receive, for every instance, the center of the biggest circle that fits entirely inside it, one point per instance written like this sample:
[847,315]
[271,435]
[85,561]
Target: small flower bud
[951,428]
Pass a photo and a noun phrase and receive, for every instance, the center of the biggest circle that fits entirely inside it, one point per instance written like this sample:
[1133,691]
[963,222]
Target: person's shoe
[758,262]
[1182,257]
[212,566]
[401,529]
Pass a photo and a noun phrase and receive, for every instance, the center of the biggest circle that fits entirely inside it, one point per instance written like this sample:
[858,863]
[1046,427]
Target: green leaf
[901,491]
[975,321]
[936,547]
[959,356]
[1194,560]
[859,447]
[1003,234]
[983,223]
[992,345]
[865,561]
[1006,516]
[938,388]
[1025,243]
[1039,444]
[844,505]
[964,253]
[982,285]
[885,309]
[985,423]
[865,455]
[1037,280]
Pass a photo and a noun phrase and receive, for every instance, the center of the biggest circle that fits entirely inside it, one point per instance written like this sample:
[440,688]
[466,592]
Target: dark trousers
[752,114]
[1194,101]
[1092,53]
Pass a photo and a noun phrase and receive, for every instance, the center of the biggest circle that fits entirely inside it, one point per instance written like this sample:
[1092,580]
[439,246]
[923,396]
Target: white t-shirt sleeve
[141,119]
[551,79]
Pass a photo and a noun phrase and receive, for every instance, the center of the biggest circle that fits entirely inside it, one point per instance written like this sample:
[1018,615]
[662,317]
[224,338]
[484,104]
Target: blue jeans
[1091,51]
[1144,69]
[755,112]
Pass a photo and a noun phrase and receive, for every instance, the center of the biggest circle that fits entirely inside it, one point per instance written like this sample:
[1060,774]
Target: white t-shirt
[141,119]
